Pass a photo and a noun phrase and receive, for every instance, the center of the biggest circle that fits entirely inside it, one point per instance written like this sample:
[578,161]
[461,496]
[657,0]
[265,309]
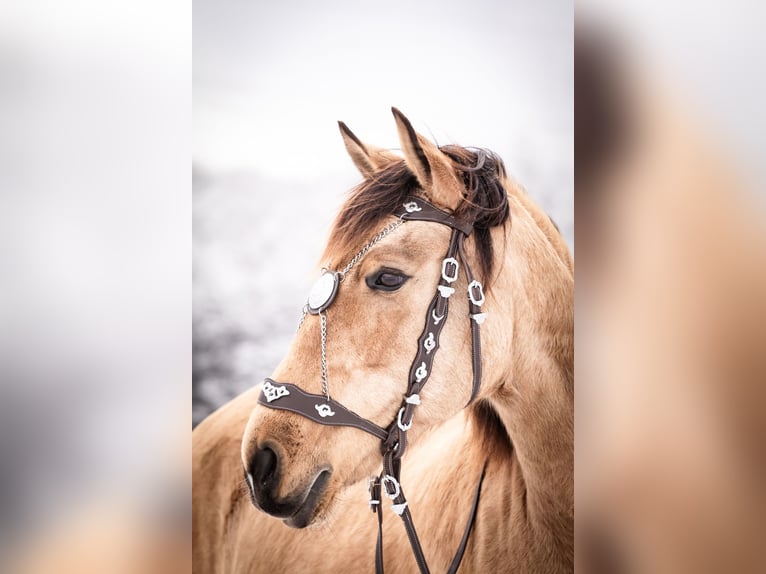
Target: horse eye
[386,280]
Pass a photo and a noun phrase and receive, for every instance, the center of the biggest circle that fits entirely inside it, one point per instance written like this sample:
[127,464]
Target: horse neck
[532,393]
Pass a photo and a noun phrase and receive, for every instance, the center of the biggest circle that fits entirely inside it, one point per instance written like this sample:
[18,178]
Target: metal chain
[304,312]
[325,387]
[381,234]
[323,315]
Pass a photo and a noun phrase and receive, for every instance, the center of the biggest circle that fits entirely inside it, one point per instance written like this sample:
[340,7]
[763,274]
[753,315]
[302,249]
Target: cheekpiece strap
[418,209]
[288,397]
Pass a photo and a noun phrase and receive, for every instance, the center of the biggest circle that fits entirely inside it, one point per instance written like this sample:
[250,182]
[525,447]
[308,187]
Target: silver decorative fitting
[445,275]
[476,285]
[479,318]
[387,478]
[400,424]
[437,318]
[412,207]
[421,373]
[273,393]
[429,344]
[413,399]
[323,292]
[399,508]
[324,411]
[446,291]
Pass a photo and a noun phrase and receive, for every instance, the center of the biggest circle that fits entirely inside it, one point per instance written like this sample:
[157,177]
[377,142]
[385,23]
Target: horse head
[358,345]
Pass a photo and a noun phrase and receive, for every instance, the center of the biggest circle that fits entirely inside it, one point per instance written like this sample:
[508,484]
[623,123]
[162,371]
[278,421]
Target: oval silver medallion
[323,292]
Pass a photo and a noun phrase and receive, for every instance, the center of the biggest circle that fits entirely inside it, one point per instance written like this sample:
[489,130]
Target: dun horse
[471,414]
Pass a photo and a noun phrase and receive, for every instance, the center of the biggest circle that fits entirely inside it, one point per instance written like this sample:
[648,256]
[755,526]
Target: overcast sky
[271,79]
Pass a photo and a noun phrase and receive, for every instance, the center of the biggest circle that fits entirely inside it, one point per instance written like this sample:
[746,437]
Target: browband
[418,209]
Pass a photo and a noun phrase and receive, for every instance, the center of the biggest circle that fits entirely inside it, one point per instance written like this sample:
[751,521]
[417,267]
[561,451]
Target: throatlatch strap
[475,293]
[287,397]
[469,527]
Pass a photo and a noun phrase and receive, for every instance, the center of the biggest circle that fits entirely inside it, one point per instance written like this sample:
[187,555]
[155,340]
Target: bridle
[324,410]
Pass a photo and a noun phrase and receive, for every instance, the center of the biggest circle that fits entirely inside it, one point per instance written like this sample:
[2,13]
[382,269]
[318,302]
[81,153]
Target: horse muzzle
[298,509]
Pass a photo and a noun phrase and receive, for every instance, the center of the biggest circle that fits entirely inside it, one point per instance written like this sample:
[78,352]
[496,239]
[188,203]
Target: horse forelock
[369,204]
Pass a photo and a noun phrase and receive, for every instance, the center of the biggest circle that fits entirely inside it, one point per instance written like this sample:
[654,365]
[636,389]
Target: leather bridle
[326,411]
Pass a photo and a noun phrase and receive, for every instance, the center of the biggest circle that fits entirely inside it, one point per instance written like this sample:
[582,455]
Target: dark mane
[485,202]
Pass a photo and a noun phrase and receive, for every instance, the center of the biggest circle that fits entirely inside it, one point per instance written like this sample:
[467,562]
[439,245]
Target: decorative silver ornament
[445,291]
[479,318]
[273,393]
[429,344]
[323,292]
[437,318]
[421,373]
[399,508]
[412,207]
[324,411]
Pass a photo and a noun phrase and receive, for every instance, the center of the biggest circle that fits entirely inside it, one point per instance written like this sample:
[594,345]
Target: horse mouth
[303,516]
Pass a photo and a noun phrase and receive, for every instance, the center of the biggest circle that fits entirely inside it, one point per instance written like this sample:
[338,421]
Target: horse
[273,491]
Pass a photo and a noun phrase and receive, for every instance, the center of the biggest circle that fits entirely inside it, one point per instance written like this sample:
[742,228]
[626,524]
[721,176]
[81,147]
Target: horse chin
[307,512]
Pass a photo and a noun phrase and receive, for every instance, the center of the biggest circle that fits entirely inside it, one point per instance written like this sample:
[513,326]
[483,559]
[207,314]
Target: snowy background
[270,81]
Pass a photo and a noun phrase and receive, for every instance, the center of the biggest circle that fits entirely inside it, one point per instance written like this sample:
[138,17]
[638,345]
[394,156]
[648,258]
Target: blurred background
[95,294]
[270,82]
[671,287]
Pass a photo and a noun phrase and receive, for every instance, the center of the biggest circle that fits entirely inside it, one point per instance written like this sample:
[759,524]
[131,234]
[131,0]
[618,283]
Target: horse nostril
[263,468]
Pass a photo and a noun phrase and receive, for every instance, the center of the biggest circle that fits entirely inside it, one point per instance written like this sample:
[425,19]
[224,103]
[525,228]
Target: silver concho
[273,393]
[323,292]
[421,372]
[324,411]
[412,207]
[429,344]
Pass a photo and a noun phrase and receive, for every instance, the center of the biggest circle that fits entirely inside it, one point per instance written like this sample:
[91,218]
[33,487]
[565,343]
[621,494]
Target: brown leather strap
[287,397]
[428,343]
[476,319]
[418,209]
[391,468]
[469,527]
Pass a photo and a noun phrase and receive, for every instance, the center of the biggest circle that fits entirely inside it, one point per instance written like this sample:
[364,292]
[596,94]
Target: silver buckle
[476,285]
[400,424]
[394,483]
[448,261]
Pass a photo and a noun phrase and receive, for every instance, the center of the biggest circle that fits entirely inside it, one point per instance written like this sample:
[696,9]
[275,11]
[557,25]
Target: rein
[324,410]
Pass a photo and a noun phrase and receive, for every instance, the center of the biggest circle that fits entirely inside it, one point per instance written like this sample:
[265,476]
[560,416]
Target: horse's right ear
[367,159]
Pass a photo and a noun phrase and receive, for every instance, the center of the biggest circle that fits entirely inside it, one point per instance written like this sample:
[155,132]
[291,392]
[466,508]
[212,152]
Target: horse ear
[430,165]
[367,159]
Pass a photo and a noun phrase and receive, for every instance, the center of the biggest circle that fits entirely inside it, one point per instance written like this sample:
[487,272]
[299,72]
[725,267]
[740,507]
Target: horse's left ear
[430,165]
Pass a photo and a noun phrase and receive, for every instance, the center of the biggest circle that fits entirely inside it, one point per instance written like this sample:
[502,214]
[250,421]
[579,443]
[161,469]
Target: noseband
[326,411]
